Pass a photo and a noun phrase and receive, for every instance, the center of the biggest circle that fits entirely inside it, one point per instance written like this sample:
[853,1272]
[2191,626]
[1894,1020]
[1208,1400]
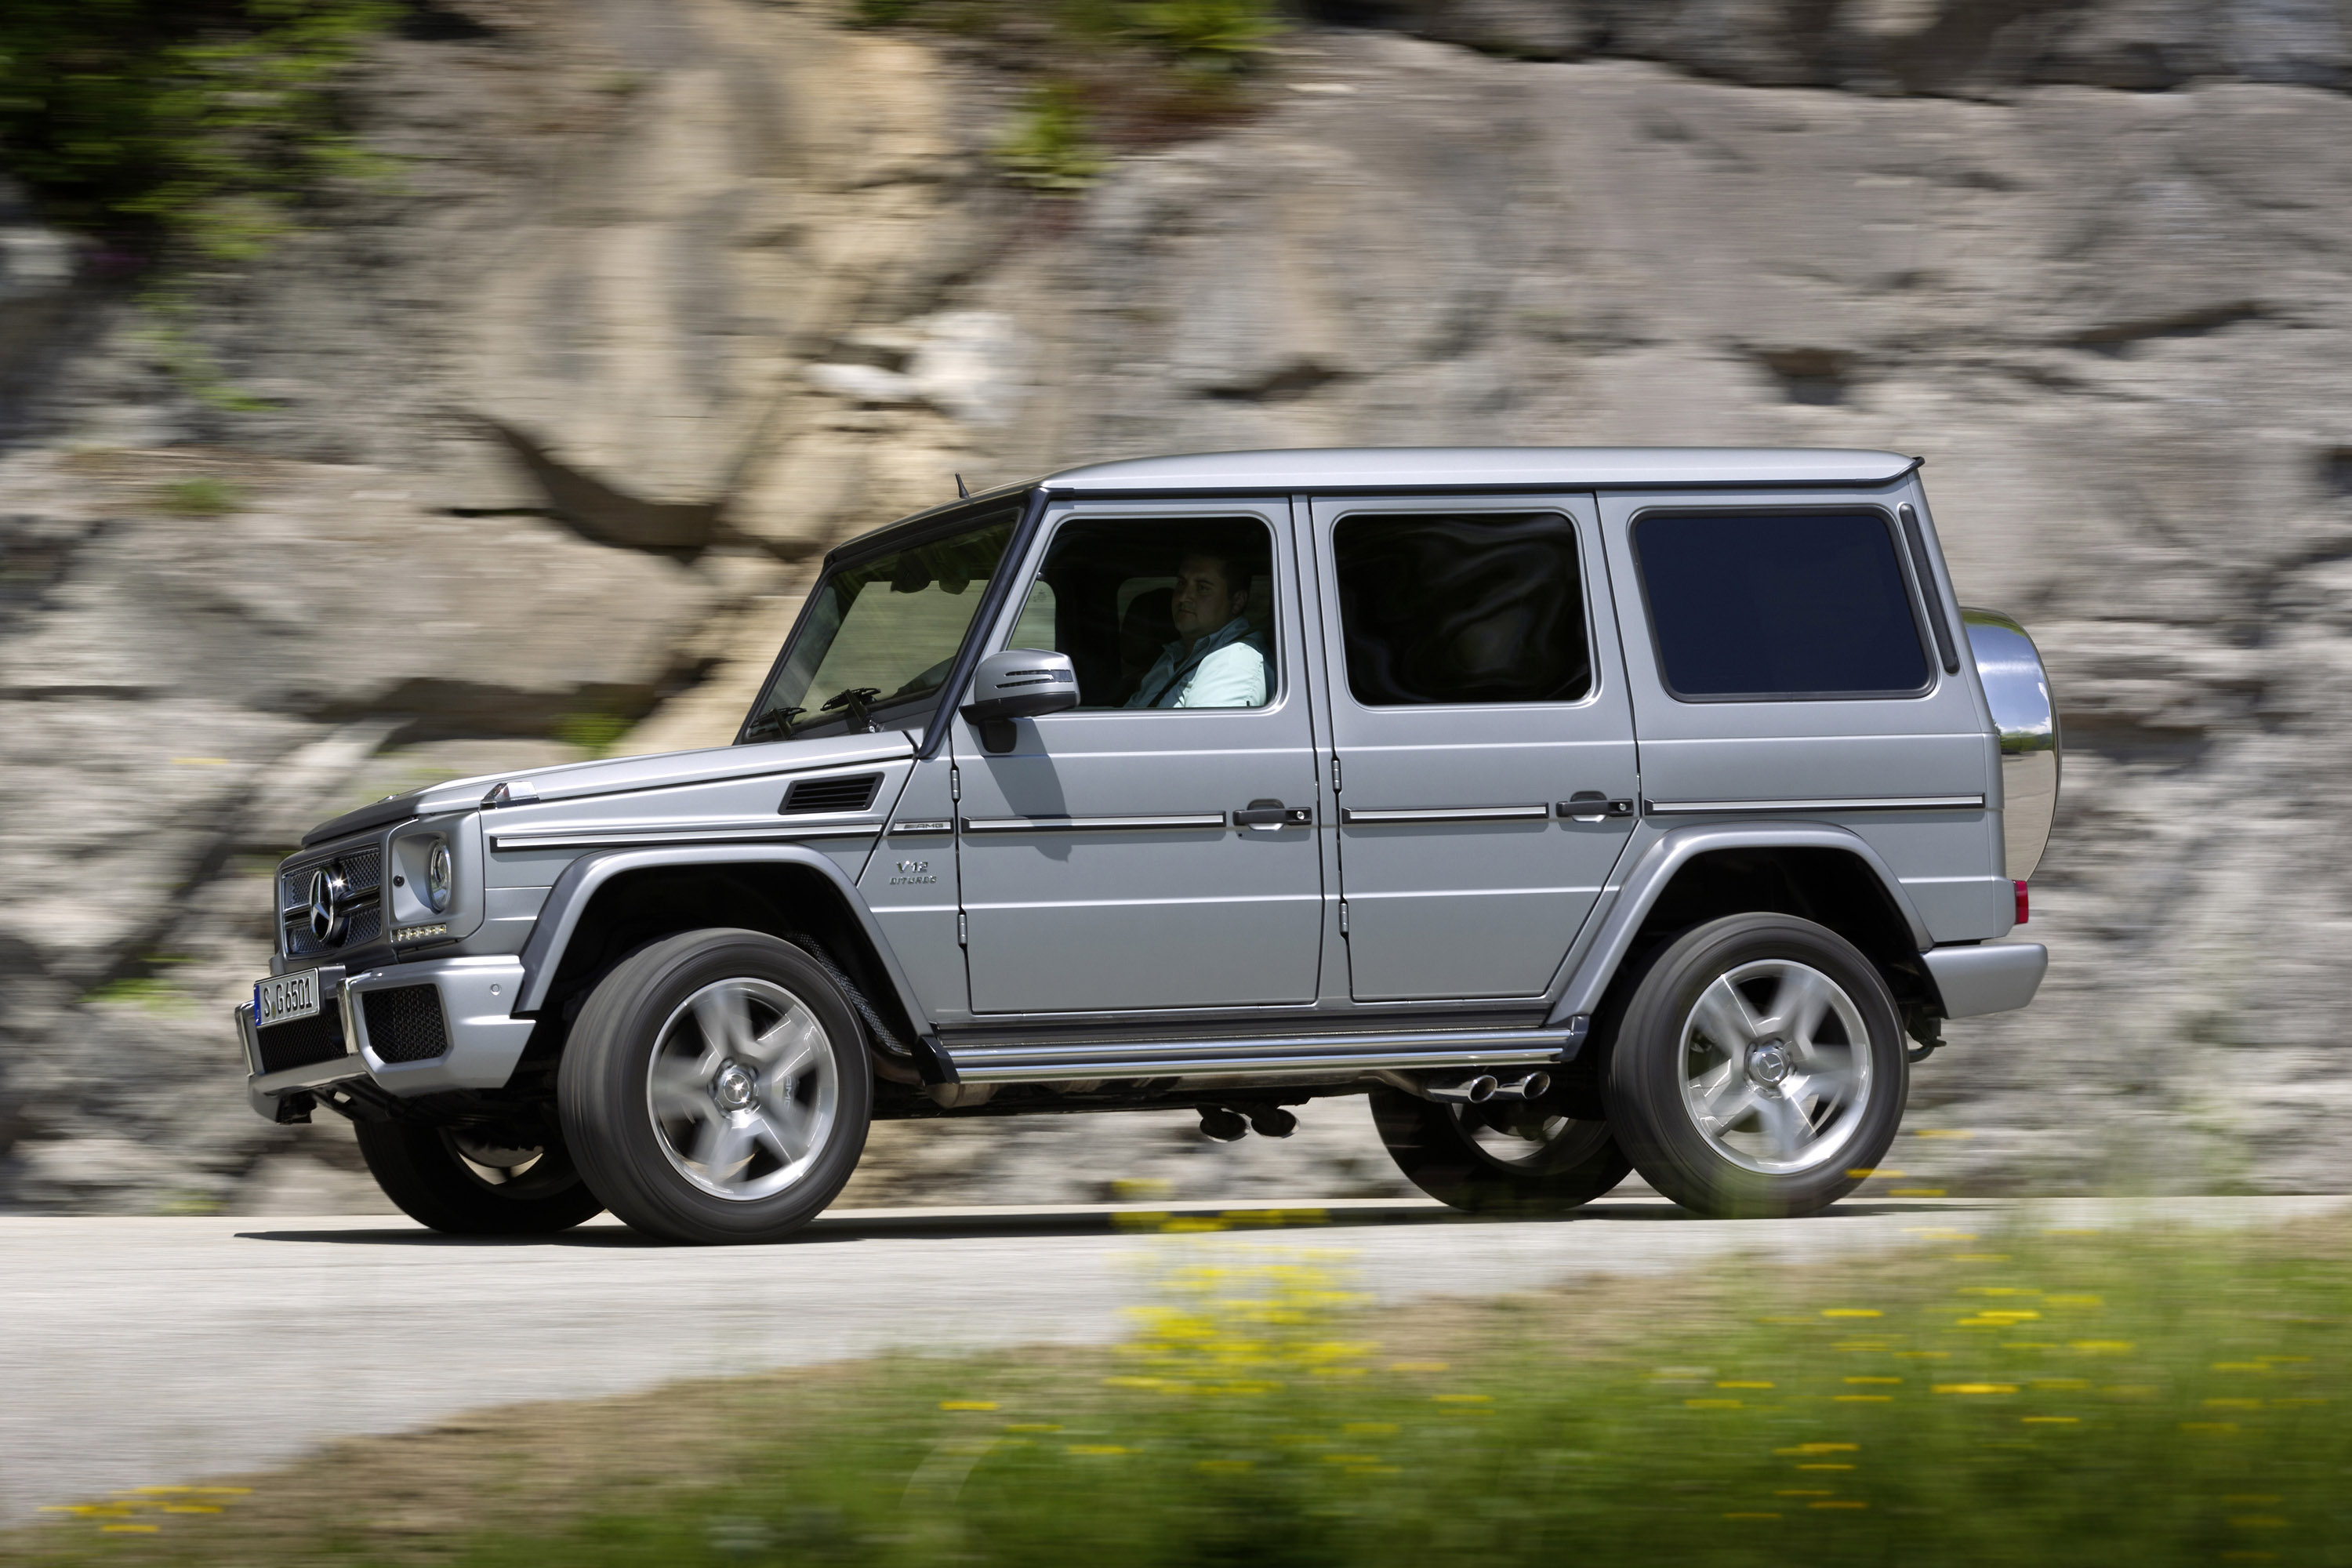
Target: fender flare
[1676,849]
[577,887]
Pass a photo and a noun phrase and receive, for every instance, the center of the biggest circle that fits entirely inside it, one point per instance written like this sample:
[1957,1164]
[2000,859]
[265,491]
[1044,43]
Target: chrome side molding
[1864,803]
[1430,1050]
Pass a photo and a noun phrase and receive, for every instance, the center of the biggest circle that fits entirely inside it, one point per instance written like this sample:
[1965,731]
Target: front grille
[855,793]
[362,868]
[403,1023]
[302,1042]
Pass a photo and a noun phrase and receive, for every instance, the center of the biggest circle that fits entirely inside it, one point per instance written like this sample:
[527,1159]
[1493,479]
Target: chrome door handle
[1267,815]
[1591,806]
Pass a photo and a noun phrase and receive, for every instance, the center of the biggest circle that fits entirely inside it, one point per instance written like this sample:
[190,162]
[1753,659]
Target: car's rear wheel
[1501,1157]
[716,1088]
[1757,1068]
[472,1183]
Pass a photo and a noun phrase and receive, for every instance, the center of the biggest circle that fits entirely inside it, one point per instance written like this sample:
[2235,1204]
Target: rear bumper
[454,1031]
[1987,977]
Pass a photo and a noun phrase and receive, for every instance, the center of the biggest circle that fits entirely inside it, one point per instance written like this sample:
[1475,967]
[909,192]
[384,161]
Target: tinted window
[1486,607]
[1764,605]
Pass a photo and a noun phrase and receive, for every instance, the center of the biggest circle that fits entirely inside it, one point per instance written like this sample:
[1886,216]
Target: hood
[617,775]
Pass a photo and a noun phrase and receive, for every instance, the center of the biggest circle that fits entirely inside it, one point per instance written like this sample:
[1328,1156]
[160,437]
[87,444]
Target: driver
[1216,660]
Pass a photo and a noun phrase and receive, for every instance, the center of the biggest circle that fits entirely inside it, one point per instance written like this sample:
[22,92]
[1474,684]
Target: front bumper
[440,1024]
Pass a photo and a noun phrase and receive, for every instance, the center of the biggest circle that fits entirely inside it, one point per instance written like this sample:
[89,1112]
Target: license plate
[284,997]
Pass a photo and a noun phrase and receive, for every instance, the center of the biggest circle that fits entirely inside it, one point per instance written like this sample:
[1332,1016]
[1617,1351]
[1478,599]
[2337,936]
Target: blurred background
[394,390]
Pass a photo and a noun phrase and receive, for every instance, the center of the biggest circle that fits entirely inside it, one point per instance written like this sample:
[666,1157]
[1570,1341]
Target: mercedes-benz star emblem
[329,893]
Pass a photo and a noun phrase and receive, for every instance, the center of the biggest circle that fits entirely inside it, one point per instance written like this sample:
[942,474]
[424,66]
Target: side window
[1158,614]
[1475,608]
[1764,606]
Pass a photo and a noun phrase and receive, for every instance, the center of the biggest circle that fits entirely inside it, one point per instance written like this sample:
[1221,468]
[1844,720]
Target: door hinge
[955,781]
[963,930]
[1343,917]
[1335,773]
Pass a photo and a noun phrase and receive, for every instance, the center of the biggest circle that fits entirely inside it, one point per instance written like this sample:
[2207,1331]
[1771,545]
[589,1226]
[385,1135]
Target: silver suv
[1587,810]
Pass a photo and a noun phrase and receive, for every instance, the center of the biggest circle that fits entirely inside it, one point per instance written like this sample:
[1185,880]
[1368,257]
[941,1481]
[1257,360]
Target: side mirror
[1019,683]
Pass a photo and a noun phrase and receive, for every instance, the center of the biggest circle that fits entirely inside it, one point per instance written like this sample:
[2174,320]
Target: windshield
[880,635]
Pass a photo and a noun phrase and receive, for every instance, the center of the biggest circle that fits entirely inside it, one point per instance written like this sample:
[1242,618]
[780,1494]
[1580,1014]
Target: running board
[1305,1054]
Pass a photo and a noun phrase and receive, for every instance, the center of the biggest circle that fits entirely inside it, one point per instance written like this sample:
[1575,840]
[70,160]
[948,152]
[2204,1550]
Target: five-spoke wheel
[741,1088]
[1756,1067]
[716,1088]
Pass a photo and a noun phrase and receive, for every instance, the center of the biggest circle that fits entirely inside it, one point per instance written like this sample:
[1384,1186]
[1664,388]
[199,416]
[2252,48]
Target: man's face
[1204,600]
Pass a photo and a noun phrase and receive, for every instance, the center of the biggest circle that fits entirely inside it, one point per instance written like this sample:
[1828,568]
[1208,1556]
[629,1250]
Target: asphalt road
[139,1352]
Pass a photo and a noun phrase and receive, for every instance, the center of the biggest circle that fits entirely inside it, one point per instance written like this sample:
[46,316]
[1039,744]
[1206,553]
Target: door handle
[1267,815]
[1591,805]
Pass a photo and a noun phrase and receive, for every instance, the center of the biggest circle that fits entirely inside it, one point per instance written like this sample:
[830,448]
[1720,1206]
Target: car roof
[1488,467]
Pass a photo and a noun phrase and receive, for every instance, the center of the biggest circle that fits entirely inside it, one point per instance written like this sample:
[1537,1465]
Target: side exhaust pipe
[1464,1091]
[1534,1086]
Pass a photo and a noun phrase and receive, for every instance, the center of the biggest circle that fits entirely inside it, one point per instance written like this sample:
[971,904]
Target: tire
[1503,1157]
[451,1182]
[1757,1068]
[717,1089]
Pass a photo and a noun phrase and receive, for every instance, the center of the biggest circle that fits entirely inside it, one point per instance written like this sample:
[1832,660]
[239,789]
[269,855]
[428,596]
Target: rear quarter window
[1778,605]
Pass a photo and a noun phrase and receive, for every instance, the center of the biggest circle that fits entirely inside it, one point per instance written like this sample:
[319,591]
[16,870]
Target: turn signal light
[2024,912]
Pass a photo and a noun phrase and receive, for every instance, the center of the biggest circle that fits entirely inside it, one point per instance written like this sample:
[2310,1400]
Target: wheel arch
[1818,871]
[609,903]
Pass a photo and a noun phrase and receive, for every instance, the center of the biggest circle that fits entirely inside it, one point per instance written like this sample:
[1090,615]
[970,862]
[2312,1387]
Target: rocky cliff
[527,446]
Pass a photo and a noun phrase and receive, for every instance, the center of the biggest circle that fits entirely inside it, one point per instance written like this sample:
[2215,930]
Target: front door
[1483,739]
[1103,867]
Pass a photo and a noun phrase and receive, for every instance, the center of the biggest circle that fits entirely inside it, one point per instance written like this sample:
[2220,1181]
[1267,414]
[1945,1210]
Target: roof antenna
[961,493]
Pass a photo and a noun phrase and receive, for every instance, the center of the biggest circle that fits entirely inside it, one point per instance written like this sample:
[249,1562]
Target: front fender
[574,890]
[1676,848]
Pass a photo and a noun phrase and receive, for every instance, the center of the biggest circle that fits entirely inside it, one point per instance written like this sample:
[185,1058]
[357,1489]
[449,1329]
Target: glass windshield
[880,635]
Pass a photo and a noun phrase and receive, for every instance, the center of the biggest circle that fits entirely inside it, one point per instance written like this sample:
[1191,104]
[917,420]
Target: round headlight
[439,877]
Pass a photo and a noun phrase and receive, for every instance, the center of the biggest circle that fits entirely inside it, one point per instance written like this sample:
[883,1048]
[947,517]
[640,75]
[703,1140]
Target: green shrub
[199,125]
[1050,146]
[201,498]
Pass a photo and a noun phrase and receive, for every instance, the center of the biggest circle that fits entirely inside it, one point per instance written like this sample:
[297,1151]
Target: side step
[1302,1054]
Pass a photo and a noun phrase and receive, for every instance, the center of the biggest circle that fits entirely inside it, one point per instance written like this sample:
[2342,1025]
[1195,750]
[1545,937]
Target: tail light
[2024,910]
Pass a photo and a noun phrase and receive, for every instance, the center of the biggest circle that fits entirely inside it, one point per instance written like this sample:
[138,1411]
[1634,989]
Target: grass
[2027,1397]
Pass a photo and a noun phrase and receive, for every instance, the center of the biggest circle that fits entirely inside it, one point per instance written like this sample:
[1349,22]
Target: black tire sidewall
[418,1167]
[1642,1076]
[600,1089]
[1436,1153]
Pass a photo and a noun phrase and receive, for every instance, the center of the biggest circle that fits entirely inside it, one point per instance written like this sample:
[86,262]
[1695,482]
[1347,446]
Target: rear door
[1482,736]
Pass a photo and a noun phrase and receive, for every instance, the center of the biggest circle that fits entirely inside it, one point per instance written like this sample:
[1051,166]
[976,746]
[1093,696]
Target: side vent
[854,792]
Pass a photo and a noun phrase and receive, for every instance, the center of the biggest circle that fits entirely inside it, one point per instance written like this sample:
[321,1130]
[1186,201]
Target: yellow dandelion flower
[1095,1450]
[1852,1312]
[2052,1420]
[967,1405]
[2102,1347]
[1744,1383]
[1976,1388]
[1873,1380]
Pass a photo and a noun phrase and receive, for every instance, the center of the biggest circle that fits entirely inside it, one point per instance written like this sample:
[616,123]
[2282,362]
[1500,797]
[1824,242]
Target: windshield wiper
[777,722]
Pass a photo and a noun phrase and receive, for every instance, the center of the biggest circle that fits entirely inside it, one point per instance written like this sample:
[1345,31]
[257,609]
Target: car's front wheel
[716,1088]
[1757,1068]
